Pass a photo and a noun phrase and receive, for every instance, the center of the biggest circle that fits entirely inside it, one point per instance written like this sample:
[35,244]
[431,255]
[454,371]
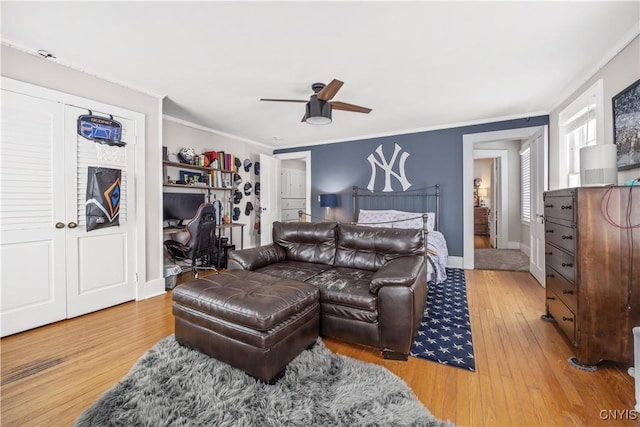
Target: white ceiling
[418,65]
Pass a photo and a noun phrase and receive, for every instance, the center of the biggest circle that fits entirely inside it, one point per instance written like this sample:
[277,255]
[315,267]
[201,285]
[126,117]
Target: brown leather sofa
[372,281]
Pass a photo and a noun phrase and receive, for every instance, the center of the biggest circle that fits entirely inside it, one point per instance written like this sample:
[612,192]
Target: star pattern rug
[445,330]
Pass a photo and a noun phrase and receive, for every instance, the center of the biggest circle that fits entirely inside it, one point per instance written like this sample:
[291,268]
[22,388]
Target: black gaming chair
[201,247]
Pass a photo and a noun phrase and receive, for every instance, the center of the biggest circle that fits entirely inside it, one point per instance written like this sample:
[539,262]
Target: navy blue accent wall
[435,157]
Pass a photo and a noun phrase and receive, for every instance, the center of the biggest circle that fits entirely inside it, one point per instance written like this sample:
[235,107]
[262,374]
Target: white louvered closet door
[51,267]
[100,263]
[31,204]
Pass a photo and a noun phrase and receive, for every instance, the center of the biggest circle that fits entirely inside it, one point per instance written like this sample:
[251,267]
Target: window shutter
[525,183]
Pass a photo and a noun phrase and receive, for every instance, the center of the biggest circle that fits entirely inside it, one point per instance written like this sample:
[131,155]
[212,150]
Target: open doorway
[502,189]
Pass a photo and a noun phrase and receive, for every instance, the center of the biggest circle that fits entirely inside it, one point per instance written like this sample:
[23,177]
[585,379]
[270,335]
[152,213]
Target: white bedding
[437,251]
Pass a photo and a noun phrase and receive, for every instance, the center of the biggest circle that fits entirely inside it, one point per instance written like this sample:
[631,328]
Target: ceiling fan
[319,106]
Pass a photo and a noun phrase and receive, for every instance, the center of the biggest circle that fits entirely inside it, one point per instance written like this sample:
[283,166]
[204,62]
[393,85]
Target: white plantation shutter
[525,182]
[26,175]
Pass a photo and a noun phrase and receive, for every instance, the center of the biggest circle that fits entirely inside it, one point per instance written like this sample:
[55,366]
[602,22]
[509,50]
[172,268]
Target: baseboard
[526,249]
[150,289]
[455,262]
[513,245]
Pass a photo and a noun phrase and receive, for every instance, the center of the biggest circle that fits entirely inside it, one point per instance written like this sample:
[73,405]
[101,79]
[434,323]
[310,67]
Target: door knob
[72,225]
[59,224]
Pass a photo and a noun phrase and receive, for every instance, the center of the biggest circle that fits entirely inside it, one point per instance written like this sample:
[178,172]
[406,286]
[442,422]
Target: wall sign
[387,167]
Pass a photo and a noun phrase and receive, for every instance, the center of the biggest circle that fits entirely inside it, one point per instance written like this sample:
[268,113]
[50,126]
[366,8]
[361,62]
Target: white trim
[479,153]
[140,144]
[306,157]
[525,248]
[152,288]
[468,140]
[76,67]
[217,132]
[416,130]
[455,262]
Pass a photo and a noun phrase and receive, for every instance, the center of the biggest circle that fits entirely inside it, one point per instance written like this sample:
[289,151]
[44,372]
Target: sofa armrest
[254,258]
[401,271]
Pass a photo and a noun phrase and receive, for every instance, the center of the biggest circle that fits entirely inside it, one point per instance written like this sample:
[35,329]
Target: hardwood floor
[481,242]
[51,374]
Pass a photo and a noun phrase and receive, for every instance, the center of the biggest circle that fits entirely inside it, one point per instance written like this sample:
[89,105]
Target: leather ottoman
[251,321]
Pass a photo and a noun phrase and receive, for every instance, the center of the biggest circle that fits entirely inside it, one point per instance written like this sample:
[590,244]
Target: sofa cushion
[347,287]
[294,270]
[369,248]
[313,242]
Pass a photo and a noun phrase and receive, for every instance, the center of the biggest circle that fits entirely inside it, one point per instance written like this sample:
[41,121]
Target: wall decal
[387,167]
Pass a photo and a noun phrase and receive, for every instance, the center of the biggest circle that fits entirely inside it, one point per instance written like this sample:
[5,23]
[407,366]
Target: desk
[222,227]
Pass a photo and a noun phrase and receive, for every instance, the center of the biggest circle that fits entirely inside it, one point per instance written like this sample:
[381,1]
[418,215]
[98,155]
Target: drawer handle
[552,298]
[550,275]
[566,207]
[549,231]
[567,292]
[567,264]
[567,237]
[548,206]
[567,319]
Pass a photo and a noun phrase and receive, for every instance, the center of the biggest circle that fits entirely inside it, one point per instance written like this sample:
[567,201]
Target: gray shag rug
[501,259]
[174,386]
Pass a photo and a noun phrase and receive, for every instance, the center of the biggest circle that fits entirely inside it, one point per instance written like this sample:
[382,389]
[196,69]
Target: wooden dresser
[481,221]
[593,271]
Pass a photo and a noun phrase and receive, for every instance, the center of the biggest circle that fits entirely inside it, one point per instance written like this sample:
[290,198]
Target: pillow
[414,220]
[373,218]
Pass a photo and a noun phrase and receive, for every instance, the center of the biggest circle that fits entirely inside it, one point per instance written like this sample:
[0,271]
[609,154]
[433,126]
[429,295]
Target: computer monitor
[179,207]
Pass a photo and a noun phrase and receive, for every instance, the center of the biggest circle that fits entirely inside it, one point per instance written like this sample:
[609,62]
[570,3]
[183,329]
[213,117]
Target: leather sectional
[372,281]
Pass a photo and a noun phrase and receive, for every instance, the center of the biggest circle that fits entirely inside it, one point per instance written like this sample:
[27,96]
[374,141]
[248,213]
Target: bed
[406,209]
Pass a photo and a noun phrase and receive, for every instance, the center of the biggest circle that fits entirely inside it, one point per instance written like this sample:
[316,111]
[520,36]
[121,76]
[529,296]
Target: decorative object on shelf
[192,178]
[626,126]
[187,155]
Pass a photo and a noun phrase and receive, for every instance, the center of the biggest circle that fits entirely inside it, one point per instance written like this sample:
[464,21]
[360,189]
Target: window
[525,184]
[581,125]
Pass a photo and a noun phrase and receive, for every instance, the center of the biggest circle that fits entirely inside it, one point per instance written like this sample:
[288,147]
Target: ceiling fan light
[318,112]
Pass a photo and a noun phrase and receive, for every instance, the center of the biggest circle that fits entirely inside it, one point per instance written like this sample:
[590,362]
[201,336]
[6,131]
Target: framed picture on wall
[626,126]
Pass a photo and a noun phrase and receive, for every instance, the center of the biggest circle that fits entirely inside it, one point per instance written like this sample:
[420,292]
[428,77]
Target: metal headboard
[420,200]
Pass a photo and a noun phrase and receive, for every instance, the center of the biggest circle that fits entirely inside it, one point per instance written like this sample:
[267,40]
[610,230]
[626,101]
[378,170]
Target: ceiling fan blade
[330,90]
[337,105]
[283,100]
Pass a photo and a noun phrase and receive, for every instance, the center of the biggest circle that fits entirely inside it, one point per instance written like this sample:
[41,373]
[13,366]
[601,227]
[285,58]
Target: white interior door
[32,203]
[539,183]
[496,203]
[269,196]
[100,263]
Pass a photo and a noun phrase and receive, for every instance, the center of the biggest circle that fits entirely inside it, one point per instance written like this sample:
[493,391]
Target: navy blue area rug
[445,331]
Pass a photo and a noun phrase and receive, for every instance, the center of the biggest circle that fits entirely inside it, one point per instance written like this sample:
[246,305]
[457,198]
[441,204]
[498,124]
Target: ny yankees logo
[387,167]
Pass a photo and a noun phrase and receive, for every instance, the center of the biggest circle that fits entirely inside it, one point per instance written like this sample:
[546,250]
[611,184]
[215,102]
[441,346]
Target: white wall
[178,134]
[36,70]
[617,74]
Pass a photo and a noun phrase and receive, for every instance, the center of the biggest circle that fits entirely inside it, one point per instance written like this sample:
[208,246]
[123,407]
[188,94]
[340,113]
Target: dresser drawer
[561,235]
[561,207]
[564,316]
[560,261]
[565,290]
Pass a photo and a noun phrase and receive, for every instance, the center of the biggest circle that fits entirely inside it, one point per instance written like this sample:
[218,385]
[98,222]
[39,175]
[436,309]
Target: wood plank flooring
[51,374]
